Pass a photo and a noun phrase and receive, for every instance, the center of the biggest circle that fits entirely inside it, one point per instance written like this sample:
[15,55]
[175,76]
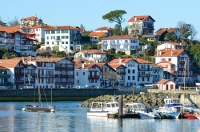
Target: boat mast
[39,95]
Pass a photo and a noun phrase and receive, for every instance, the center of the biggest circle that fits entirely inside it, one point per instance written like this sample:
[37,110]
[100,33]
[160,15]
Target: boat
[102,109]
[140,109]
[189,111]
[171,109]
[39,107]
[197,115]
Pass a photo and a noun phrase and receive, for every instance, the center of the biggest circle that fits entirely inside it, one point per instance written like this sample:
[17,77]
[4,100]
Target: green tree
[13,22]
[116,30]
[60,54]
[170,37]
[9,55]
[87,47]
[115,16]
[125,31]
[135,30]
[2,52]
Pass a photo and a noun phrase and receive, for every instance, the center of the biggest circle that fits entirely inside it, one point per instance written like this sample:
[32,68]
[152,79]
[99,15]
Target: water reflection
[70,118]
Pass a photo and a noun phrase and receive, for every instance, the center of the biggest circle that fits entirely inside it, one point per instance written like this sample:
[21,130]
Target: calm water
[70,118]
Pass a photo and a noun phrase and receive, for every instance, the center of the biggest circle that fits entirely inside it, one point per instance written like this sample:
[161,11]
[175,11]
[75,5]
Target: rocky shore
[150,100]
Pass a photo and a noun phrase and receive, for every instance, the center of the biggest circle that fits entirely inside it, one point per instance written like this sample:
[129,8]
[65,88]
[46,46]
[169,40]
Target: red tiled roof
[100,64]
[98,34]
[170,52]
[163,81]
[123,60]
[115,66]
[9,63]
[119,37]
[8,29]
[141,61]
[162,30]
[32,18]
[86,66]
[77,61]
[139,18]
[92,52]
[63,28]
[43,26]
[104,28]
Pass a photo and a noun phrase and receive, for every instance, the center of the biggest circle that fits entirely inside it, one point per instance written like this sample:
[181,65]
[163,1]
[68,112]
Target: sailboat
[39,107]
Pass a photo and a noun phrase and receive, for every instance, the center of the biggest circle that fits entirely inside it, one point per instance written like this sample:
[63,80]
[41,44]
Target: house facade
[63,38]
[125,43]
[138,71]
[162,31]
[166,85]
[177,63]
[92,55]
[14,39]
[108,30]
[96,36]
[169,45]
[31,21]
[144,24]
[4,77]
[157,73]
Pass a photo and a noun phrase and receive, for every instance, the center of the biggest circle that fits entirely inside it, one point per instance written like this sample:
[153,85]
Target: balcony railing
[4,75]
[143,69]
[93,77]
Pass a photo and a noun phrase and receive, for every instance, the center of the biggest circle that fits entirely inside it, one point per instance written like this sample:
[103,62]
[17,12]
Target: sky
[166,13]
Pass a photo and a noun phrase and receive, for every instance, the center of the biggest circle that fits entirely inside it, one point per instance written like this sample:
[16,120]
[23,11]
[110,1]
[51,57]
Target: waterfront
[71,118]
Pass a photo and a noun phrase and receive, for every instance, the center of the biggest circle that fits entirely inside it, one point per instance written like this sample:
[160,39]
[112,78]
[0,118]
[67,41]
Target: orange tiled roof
[119,37]
[31,18]
[77,61]
[141,61]
[104,28]
[9,63]
[63,28]
[98,34]
[170,52]
[115,66]
[86,66]
[123,60]
[43,26]
[162,30]
[139,18]
[163,81]
[92,52]
[3,68]
[8,29]
[100,64]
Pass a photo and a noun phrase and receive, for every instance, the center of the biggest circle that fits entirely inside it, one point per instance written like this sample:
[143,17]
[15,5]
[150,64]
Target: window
[47,32]
[66,42]
[169,59]
[128,77]
[133,71]
[47,42]
[83,73]
[52,32]
[128,71]
[63,42]
[77,74]
[58,31]
[71,42]
[133,77]
[52,42]
[126,41]
[64,31]
[143,79]
[47,37]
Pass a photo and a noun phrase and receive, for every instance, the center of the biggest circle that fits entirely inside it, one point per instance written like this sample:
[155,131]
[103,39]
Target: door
[171,86]
[166,87]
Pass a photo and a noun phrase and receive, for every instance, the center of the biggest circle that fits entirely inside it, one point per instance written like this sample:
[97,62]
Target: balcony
[93,77]
[144,74]
[143,69]
[64,68]
[47,76]
[64,76]
[4,75]
[121,73]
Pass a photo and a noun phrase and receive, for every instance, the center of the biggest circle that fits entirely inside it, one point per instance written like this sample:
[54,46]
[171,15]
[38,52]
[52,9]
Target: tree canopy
[115,16]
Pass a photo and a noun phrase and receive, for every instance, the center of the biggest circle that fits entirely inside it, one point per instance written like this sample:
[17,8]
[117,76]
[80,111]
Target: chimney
[120,60]
[160,52]
[83,65]
[135,19]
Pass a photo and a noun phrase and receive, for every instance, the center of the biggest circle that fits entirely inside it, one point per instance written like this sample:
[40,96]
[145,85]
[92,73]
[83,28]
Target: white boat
[171,109]
[101,109]
[197,115]
[140,109]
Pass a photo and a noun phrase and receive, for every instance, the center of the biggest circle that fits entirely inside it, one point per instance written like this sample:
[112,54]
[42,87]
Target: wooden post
[120,105]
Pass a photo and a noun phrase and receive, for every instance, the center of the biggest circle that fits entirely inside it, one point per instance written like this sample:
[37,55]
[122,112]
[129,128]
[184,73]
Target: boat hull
[39,109]
[188,115]
[144,115]
[97,113]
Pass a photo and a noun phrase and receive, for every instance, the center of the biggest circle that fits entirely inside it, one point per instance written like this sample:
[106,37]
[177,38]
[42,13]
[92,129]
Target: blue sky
[167,13]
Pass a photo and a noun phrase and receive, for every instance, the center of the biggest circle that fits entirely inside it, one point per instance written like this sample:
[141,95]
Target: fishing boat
[189,111]
[171,109]
[140,109]
[102,109]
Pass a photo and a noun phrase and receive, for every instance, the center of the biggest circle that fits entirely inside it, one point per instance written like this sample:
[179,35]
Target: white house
[14,39]
[169,45]
[96,36]
[177,63]
[31,21]
[63,38]
[138,71]
[166,85]
[125,43]
[108,30]
[92,55]
[145,24]
[87,75]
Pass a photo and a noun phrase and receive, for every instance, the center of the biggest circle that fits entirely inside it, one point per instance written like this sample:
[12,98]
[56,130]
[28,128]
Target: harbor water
[71,118]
